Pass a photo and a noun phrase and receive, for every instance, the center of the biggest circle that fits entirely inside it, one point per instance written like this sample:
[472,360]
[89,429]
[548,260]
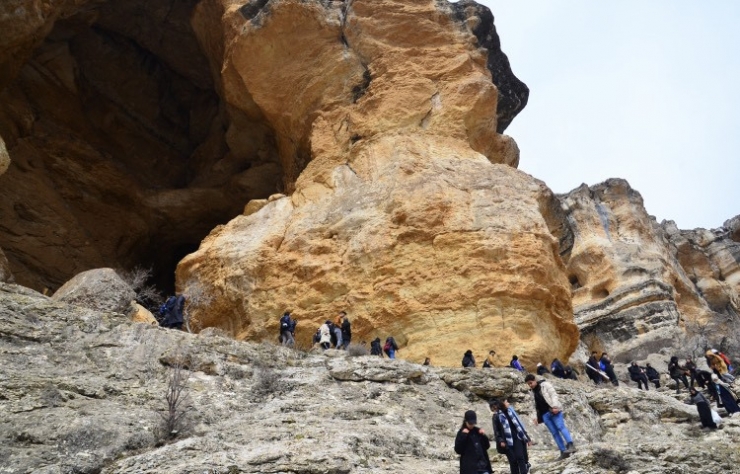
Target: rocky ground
[81,390]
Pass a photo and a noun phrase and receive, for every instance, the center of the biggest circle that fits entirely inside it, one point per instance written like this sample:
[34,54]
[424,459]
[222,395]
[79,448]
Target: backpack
[387,346]
[167,306]
[725,359]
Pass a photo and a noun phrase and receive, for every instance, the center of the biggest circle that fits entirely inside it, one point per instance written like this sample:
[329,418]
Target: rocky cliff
[82,390]
[356,163]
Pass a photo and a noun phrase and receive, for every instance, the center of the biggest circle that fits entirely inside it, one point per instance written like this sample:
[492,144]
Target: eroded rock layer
[408,213]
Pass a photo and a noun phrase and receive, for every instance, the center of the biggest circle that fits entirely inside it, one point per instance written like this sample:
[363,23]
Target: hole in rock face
[574,282]
[119,149]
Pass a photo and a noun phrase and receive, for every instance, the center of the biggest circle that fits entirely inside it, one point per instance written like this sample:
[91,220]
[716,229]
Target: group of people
[337,334]
[509,434]
[557,368]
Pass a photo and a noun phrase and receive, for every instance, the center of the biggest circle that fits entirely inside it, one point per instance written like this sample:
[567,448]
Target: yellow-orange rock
[140,314]
[400,214]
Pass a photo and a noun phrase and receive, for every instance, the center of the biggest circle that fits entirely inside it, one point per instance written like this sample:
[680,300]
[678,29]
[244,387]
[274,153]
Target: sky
[648,91]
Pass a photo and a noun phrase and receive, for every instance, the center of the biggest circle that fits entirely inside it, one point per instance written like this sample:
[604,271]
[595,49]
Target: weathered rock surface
[101,289]
[80,391]
[6,276]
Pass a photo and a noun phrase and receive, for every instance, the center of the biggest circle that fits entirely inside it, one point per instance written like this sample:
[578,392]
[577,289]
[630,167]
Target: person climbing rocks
[638,374]
[652,375]
[338,342]
[550,412]
[715,362]
[173,312]
[427,361]
[325,330]
[541,369]
[468,359]
[605,363]
[725,359]
[702,406]
[510,436]
[592,369]
[488,363]
[726,396]
[390,347]
[516,364]
[678,373]
[557,369]
[346,329]
[287,330]
[472,444]
[375,348]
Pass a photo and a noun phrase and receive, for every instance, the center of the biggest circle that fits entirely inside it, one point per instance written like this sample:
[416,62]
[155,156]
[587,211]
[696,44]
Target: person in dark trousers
[510,436]
[550,412]
[557,369]
[346,329]
[516,364]
[704,380]
[606,366]
[637,374]
[375,348]
[427,361]
[468,359]
[390,347]
[726,396]
[592,369]
[174,318]
[652,375]
[541,369]
[472,445]
[702,406]
[488,363]
[286,334]
[690,365]
[678,373]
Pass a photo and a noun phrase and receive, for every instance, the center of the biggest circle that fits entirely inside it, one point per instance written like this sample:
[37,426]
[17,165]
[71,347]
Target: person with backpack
[325,331]
[472,444]
[375,348]
[678,373]
[725,359]
[550,412]
[510,436]
[516,364]
[488,363]
[286,336]
[605,363]
[637,374]
[390,347]
[172,312]
[468,359]
[346,329]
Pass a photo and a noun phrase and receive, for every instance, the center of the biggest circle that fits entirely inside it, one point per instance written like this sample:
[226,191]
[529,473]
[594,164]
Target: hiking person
[690,366]
[375,347]
[557,369]
[541,369]
[346,329]
[488,363]
[550,412]
[725,359]
[317,336]
[515,364]
[172,312]
[472,444]
[605,363]
[390,347]
[510,436]
[716,363]
[678,373]
[702,406]
[592,369]
[570,373]
[652,375]
[726,396]
[427,361]
[638,374]
[325,331]
[286,334]
[338,343]
[468,359]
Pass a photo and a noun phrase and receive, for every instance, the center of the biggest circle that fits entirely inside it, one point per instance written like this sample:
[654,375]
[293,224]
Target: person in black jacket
[346,329]
[637,374]
[652,375]
[702,406]
[174,317]
[375,348]
[510,436]
[678,373]
[592,369]
[541,369]
[606,365]
[468,359]
[472,445]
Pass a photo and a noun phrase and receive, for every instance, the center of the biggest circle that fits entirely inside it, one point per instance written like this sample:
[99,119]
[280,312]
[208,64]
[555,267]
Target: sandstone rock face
[140,314]
[405,212]
[100,289]
[637,285]
[80,391]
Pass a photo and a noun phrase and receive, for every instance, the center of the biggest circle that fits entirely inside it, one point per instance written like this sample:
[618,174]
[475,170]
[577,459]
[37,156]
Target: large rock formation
[407,212]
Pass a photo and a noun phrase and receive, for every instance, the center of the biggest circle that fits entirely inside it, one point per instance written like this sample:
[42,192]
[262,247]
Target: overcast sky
[645,91]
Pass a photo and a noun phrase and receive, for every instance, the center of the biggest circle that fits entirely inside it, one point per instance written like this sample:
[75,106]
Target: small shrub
[357,350]
[176,420]
[267,382]
[611,460]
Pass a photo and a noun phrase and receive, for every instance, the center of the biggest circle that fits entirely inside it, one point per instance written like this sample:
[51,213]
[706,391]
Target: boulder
[101,289]
[140,314]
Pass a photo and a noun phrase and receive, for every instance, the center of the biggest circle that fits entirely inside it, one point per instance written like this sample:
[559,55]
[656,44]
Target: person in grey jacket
[550,412]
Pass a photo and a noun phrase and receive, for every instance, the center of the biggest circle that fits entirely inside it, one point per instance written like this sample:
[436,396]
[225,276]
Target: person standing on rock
[702,406]
[510,436]
[550,412]
[726,396]
[716,363]
[338,342]
[390,347]
[472,445]
[375,348]
[286,335]
[690,366]
[346,329]
[468,359]
[637,374]
[606,366]
[325,331]
[174,317]
[516,364]
[678,373]
[652,375]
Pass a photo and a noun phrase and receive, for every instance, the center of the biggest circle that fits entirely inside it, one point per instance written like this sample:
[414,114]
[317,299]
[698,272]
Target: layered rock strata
[407,212]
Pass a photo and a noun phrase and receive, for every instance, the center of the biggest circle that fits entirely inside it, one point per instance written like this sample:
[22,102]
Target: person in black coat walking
[472,445]
[702,405]
[637,374]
